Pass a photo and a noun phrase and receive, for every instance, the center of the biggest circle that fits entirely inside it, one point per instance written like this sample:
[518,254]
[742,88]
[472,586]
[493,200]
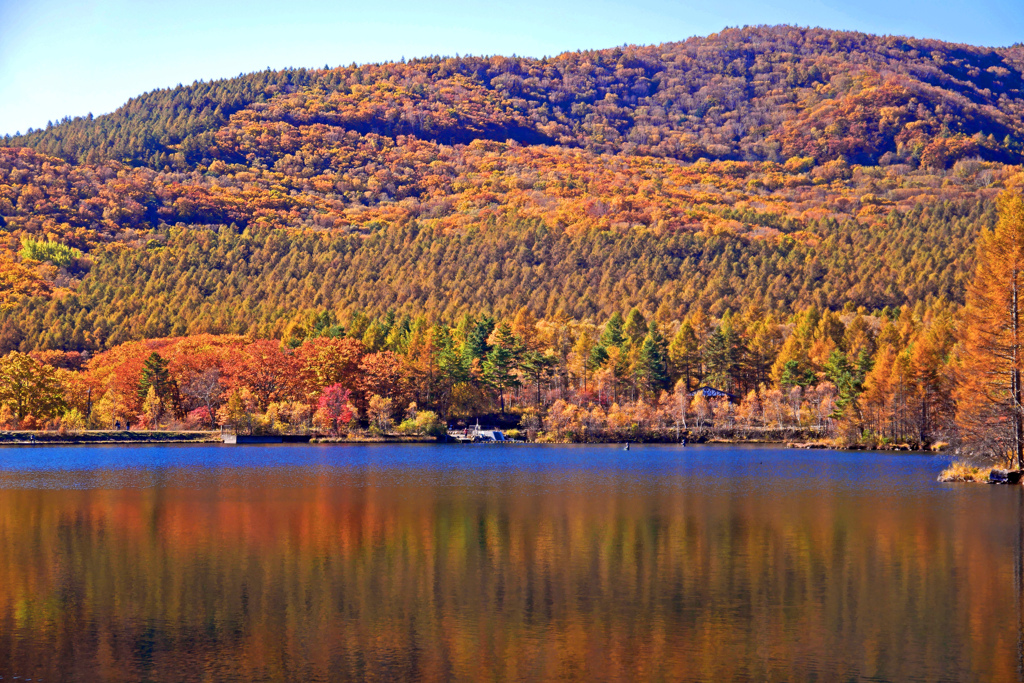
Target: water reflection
[331,573]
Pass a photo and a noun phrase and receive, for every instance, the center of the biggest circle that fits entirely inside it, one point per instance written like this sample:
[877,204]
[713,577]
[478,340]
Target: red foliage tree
[334,407]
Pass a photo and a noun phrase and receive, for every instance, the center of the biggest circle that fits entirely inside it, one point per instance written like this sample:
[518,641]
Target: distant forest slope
[765,93]
[769,167]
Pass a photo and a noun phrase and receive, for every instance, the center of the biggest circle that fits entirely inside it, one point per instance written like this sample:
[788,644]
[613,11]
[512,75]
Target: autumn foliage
[787,215]
[788,166]
[821,373]
[991,415]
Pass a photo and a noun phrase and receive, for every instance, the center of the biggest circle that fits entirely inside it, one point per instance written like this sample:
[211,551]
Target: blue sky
[72,57]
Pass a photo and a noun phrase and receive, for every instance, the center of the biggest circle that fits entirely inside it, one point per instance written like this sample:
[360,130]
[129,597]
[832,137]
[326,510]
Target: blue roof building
[711,392]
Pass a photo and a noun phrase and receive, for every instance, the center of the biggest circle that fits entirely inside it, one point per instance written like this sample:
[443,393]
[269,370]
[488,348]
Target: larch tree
[878,393]
[929,357]
[792,364]
[684,355]
[525,327]
[859,338]
[579,357]
[990,414]
[765,339]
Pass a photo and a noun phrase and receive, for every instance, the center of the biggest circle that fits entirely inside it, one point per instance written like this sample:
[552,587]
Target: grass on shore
[961,470]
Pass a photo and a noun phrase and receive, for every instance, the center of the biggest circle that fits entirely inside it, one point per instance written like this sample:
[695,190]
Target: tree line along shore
[921,377]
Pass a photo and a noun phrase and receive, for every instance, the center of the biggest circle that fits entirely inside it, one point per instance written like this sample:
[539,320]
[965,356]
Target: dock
[265,438]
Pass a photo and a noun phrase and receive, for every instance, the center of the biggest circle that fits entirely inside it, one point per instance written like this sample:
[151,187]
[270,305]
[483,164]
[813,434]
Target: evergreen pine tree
[613,334]
[653,361]
[154,374]
[636,327]
[501,362]
[476,345]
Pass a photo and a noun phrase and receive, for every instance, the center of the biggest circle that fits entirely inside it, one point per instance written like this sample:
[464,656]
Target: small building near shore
[711,393]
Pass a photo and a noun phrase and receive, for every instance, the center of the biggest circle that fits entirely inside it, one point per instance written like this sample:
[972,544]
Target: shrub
[408,427]
[44,250]
[425,423]
[73,421]
[200,418]
[428,423]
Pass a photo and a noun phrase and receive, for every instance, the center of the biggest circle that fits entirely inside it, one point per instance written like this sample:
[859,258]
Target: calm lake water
[323,563]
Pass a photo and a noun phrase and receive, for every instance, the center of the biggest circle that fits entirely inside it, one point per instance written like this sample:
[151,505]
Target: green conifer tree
[154,374]
[635,328]
[476,345]
[501,362]
[653,361]
[613,334]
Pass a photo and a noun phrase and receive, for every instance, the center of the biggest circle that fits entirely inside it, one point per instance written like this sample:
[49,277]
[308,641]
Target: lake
[436,563]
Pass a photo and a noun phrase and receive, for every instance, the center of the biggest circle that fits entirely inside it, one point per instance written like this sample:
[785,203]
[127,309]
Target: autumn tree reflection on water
[306,579]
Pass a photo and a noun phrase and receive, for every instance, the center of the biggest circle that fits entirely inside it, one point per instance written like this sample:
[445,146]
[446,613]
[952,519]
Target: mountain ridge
[878,73]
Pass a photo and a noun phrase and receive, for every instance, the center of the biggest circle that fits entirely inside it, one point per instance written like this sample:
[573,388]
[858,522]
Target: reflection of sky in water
[706,466]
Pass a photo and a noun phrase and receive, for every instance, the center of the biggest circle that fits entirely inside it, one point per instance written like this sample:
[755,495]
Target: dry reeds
[961,470]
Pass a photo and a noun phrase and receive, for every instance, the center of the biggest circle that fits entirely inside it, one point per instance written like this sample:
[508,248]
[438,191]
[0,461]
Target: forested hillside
[764,169]
[765,93]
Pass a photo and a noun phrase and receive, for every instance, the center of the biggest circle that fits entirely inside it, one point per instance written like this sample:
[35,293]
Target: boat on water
[477,434]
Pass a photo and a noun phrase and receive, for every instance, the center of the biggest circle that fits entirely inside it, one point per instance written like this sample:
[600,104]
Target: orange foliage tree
[990,414]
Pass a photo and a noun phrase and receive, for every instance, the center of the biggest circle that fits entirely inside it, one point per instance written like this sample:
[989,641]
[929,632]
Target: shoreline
[26,438]
[106,437]
[336,440]
[786,438]
[968,472]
